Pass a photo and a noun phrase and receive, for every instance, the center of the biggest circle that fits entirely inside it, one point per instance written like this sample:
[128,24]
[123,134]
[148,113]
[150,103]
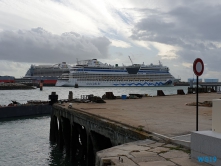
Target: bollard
[191,90]
[70,105]
[97,99]
[70,96]
[53,97]
[90,97]
[180,92]
[41,85]
[160,93]
[110,95]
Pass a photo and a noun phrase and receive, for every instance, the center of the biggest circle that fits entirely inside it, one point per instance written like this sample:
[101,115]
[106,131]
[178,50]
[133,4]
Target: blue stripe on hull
[98,84]
[169,82]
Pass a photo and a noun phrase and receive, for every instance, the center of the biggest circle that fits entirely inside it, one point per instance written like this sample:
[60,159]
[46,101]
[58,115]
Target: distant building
[211,80]
[194,79]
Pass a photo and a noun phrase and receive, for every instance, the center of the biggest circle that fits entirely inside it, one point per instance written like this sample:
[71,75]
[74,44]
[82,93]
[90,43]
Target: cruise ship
[7,79]
[47,73]
[95,73]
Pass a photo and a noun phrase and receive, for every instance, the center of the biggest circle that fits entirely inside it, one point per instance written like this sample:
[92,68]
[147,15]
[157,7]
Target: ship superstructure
[95,73]
[48,73]
[47,70]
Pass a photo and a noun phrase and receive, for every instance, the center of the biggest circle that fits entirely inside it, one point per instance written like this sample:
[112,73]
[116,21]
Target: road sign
[198,67]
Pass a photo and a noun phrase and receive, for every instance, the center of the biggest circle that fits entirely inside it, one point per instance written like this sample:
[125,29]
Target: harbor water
[25,141]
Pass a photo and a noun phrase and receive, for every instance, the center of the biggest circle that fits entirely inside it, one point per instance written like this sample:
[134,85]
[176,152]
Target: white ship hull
[73,82]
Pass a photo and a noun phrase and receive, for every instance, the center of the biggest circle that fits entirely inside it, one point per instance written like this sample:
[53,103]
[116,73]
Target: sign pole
[197,103]
[198,68]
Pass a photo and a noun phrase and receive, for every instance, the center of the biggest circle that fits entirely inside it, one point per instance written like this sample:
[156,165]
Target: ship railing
[102,76]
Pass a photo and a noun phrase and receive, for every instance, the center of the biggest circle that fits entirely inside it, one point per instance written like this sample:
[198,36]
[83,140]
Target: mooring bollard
[53,97]
[110,95]
[70,105]
[190,90]
[160,93]
[41,85]
[70,96]
[180,92]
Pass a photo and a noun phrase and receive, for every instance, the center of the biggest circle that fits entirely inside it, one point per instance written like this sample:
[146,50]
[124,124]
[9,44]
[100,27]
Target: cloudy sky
[149,31]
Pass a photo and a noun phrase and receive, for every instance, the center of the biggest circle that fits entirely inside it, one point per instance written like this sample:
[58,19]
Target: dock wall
[27,110]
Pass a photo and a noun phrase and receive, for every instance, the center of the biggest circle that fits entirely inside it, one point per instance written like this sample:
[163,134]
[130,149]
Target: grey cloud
[39,45]
[210,57]
[154,24]
[194,28]
[187,22]
[197,20]
[101,43]
[119,53]
[201,19]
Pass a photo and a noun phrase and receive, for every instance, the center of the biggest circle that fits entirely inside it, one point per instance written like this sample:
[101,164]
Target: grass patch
[163,151]
[140,128]
[180,148]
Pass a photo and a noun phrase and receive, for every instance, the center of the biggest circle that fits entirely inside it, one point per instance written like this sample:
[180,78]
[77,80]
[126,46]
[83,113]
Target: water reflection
[25,141]
[57,156]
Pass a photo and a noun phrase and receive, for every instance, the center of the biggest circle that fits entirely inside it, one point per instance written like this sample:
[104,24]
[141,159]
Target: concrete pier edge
[149,135]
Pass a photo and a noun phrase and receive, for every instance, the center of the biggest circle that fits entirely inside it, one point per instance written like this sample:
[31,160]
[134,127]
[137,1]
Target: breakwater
[14,86]
[24,110]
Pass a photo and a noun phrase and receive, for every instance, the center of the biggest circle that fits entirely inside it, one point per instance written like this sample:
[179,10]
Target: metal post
[196,103]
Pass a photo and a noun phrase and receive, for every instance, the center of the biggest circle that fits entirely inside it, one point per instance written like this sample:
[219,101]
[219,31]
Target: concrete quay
[168,116]
[146,153]
[164,119]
